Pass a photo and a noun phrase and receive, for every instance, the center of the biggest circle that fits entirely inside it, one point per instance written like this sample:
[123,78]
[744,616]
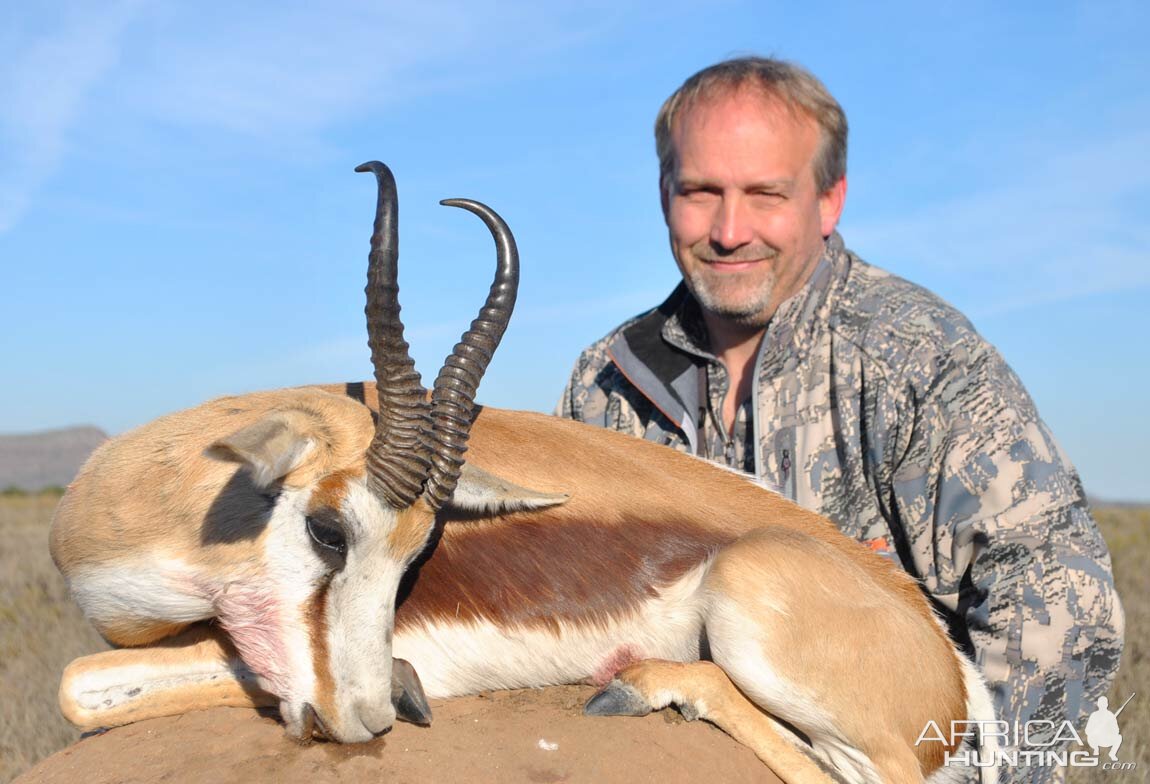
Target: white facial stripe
[367,519]
[359,618]
[453,659]
[292,572]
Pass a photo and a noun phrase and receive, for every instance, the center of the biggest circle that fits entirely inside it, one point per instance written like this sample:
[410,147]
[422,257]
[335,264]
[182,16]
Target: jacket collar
[660,350]
[790,331]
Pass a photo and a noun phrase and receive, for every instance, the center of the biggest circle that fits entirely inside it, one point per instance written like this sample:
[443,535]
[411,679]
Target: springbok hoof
[407,695]
[617,699]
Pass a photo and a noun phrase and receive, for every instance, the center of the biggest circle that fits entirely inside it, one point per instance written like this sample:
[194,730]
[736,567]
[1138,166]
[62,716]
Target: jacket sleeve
[592,394]
[566,406]
[582,387]
[998,528]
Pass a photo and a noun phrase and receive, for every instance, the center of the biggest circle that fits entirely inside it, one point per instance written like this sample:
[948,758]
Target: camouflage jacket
[878,405]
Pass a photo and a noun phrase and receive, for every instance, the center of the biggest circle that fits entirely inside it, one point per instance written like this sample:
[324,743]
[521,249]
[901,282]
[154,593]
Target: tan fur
[411,530]
[330,491]
[321,656]
[761,572]
[154,491]
[136,631]
[718,701]
[172,691]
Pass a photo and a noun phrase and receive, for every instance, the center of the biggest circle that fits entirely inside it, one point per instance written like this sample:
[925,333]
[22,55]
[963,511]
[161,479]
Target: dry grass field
[1127,532]
[41,631]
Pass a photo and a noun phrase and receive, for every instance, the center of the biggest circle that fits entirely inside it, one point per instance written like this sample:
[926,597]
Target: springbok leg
[194,670]
[703,690]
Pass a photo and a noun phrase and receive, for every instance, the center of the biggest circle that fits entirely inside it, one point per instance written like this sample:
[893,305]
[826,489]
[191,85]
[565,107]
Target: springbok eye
[326,536]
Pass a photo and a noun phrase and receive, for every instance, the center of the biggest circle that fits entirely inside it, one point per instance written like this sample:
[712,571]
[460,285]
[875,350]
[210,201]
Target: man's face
[745,217]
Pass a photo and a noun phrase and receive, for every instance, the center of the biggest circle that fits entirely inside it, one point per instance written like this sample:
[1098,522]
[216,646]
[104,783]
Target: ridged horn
[453,395]
[397,460]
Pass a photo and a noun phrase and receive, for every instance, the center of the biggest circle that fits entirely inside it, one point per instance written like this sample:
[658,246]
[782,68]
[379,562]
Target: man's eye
[326,536]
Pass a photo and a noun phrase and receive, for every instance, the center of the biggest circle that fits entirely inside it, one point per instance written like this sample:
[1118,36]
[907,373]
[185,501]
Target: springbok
[322,531]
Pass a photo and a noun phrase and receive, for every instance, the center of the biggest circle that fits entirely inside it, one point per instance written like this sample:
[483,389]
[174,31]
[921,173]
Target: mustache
[707,251]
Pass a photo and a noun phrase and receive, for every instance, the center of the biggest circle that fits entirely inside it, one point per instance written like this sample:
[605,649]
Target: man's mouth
[721,265]
[735,260]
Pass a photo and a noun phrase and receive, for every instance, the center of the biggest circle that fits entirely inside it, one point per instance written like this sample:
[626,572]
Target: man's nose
[731,226]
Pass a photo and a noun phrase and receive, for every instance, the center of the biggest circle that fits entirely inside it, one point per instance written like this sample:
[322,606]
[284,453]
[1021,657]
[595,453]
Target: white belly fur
[453,659]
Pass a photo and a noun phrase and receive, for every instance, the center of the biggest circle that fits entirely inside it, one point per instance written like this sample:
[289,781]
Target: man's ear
[479,491]
[831,203]
[271,448]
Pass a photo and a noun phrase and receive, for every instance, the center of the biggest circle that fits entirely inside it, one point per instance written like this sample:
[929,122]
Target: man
[854,392]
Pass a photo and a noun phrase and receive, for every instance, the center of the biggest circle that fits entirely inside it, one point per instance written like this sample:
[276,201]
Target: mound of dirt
[537,735]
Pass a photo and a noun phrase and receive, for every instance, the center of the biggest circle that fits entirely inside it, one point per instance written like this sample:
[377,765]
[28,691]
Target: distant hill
[33,461]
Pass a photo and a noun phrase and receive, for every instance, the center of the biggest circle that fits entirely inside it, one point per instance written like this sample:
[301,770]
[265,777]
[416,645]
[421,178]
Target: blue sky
[179,218]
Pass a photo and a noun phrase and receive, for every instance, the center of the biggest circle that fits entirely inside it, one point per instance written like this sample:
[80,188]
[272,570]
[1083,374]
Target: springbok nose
[376,716]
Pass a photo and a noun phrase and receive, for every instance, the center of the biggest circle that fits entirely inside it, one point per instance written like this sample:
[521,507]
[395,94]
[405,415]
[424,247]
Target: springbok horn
[397,460]
[453,395]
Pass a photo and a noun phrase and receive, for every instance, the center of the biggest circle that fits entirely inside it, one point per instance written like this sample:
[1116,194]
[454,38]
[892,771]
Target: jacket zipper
[756,414]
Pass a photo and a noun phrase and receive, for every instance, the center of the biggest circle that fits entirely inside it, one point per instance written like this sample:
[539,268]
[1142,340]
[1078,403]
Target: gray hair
[794,86]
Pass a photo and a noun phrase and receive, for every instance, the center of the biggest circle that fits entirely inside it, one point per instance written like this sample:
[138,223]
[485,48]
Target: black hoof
[407,694]
[617,699]
[689,712]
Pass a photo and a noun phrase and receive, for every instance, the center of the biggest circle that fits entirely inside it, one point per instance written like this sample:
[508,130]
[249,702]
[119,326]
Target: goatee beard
[746,311]
[725,295]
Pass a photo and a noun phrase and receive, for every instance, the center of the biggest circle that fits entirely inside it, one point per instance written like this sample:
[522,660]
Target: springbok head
[317,628]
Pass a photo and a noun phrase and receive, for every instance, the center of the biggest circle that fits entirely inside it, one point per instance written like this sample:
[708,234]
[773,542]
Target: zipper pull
[785,464]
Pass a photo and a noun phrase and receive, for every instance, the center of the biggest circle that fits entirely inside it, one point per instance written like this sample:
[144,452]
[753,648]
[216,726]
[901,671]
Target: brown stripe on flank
[315,615]
[535,570]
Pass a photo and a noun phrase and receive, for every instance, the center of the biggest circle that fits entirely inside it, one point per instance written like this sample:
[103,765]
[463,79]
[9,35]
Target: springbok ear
[479,491]
[271,448]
